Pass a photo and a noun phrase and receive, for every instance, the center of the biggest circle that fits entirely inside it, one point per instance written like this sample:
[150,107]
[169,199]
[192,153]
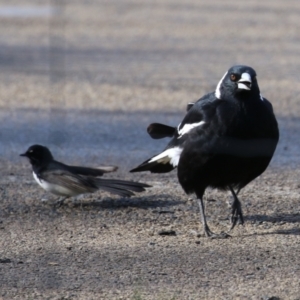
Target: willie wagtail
[67,181]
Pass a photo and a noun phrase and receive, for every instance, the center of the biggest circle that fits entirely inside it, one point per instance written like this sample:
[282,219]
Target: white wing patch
[171,156]
[218,92]
[188,127]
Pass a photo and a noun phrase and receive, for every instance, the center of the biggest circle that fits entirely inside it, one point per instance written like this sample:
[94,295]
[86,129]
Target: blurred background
[85,78]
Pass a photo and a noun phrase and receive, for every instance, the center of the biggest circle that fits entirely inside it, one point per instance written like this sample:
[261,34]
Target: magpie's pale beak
[245,82]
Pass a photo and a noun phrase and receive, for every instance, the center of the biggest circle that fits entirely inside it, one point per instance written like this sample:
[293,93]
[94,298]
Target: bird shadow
[279,220]
[283,218]
[144,202]
[290,231]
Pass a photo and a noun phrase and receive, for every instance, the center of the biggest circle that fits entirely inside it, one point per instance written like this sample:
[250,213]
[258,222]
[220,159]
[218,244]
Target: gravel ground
[85,78]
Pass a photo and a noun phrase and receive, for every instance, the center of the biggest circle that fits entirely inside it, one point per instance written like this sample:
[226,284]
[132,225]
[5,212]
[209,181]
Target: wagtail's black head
[239,81]
[38,155]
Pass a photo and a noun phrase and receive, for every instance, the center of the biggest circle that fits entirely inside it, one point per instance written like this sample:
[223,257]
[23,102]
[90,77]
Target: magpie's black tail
[153,167]
[160,131]
[120,187]
[164,162]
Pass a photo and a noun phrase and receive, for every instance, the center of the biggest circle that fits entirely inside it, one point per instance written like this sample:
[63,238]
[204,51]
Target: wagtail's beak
[245,82]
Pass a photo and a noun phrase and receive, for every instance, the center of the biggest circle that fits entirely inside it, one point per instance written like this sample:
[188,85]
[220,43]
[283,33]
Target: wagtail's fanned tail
[120,187]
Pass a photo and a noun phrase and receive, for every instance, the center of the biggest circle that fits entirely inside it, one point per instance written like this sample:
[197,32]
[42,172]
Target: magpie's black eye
[233,77]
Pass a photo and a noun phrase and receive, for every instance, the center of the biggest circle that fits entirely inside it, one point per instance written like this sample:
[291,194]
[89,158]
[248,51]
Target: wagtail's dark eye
[233,77]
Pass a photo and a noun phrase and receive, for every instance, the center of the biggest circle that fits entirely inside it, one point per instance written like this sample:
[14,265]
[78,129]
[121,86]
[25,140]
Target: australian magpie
[67,181]
[226,139]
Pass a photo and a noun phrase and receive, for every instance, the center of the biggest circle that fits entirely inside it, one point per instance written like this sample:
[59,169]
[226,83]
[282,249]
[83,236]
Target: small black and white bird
[226,140]
[67,181]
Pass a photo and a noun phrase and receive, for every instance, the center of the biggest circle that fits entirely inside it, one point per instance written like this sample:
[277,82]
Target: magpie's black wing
[200,113]
[160,131]
[197,116]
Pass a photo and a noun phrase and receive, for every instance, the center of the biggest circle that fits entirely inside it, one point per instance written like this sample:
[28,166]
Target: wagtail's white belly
[54,188]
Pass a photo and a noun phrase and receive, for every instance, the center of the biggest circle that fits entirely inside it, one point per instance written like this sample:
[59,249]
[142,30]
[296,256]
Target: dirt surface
[85,78]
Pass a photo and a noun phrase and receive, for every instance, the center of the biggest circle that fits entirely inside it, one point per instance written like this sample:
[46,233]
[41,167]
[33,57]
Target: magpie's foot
[212,235]
[222,235]
[207,231]
[236,216]
[236,212]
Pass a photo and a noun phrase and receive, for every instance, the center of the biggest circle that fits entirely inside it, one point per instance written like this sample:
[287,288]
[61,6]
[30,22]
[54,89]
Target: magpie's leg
[237,192]
[206,229]
[236,212]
